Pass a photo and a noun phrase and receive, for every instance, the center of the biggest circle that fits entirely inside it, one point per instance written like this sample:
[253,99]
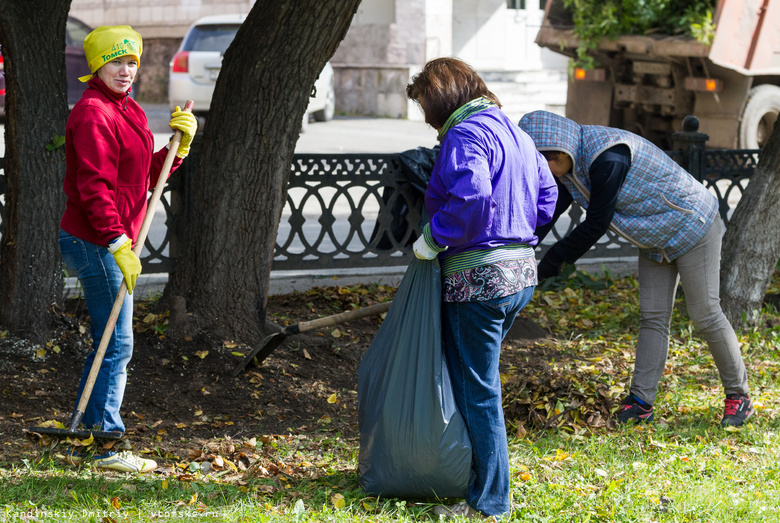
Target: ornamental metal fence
[346,211]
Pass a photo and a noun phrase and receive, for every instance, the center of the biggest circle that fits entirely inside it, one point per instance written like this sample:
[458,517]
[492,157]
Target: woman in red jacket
[111,166]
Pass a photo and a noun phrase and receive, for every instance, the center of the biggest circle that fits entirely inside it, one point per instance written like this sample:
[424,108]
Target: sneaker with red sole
[738,408]
[632,410]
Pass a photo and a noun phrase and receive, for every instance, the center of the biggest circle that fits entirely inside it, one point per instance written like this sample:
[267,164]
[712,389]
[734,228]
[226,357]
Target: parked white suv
[195,66]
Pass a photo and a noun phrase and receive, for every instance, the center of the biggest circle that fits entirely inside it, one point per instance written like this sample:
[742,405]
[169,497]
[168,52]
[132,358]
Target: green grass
[683,468]
[689,471]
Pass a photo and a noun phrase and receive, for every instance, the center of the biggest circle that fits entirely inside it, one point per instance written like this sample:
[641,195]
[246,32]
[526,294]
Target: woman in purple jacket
[489,190]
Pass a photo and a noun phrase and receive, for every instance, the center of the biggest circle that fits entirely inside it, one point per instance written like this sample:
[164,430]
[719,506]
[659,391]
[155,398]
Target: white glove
[422,250]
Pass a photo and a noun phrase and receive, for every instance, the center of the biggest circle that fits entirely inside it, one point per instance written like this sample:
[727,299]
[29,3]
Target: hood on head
[552,132]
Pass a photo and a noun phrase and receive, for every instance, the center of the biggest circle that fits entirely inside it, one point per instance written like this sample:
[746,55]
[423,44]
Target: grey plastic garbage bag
[413,441]
[399,201]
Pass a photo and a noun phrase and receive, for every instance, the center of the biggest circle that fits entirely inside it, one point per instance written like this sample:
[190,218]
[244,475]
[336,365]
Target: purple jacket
[490,187]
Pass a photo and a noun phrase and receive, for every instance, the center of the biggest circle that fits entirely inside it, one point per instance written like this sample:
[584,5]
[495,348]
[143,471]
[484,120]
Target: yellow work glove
[128,262]
[185,122]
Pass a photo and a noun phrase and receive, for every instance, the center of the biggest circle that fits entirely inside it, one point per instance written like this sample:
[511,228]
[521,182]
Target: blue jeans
[472,333]
[100,279]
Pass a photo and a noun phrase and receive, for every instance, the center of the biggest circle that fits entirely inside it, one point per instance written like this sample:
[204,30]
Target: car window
[75,32]
[213,37]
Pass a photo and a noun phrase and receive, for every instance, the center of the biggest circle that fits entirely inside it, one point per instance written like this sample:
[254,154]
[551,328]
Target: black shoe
[739,407]
[632,410]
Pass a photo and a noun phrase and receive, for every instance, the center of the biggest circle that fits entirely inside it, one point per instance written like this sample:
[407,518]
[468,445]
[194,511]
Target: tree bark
[253,124]
[32,34]
[751,245]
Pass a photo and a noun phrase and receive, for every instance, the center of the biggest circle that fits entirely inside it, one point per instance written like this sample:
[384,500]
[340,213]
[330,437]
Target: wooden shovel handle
[270,342]
[343,317]
[120,297]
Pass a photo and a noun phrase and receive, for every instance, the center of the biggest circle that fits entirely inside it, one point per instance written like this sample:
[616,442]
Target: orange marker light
[709,85]
[590,75]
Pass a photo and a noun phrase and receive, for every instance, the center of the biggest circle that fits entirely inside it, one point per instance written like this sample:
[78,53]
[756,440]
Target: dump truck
[648,84]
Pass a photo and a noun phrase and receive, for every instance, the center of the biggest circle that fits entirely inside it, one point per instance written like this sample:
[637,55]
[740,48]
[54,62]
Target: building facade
[387,43]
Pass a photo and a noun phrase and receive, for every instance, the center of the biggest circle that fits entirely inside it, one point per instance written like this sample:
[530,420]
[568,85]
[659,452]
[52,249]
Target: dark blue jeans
[473,333]
[100,279]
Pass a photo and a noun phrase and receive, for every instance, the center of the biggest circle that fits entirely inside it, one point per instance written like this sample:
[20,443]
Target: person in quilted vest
[628,185]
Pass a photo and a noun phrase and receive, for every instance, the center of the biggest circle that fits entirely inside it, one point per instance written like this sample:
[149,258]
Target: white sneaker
[124,461]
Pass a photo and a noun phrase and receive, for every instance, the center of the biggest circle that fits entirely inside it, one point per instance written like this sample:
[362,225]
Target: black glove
[549,266]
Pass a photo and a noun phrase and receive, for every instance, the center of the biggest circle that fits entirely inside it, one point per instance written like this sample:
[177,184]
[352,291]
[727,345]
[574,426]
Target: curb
[150,286]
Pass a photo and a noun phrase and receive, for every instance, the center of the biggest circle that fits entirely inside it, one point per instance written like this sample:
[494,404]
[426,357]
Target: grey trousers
[699,272]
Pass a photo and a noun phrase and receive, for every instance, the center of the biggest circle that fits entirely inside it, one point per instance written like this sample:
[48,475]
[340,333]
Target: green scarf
[465,111]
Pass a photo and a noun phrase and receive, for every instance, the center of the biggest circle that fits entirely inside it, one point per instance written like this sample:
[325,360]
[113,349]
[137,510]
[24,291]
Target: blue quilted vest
[661,208]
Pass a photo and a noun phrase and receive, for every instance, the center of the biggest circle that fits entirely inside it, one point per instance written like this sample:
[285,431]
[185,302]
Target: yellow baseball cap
[108,42]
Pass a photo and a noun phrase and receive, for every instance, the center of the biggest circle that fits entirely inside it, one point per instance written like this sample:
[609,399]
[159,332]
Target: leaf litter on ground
[564,385]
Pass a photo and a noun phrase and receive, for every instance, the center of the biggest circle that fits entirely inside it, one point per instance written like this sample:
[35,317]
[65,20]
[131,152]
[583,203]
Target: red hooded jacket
[110,166]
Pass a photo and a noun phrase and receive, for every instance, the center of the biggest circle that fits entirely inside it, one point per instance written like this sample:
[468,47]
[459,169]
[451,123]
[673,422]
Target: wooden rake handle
[120,297]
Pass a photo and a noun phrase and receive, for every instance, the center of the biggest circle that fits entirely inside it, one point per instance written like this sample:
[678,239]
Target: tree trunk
[32,33]
[255,117]
[751,246]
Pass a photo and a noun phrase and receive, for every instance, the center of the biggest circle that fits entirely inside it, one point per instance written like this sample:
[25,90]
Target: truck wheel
[759,116]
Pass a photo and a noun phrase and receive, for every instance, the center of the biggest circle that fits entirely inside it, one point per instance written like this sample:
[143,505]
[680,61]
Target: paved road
[365,135]
[340,135]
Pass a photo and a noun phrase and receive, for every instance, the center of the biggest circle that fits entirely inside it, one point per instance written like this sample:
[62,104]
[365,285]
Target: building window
[521,4]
